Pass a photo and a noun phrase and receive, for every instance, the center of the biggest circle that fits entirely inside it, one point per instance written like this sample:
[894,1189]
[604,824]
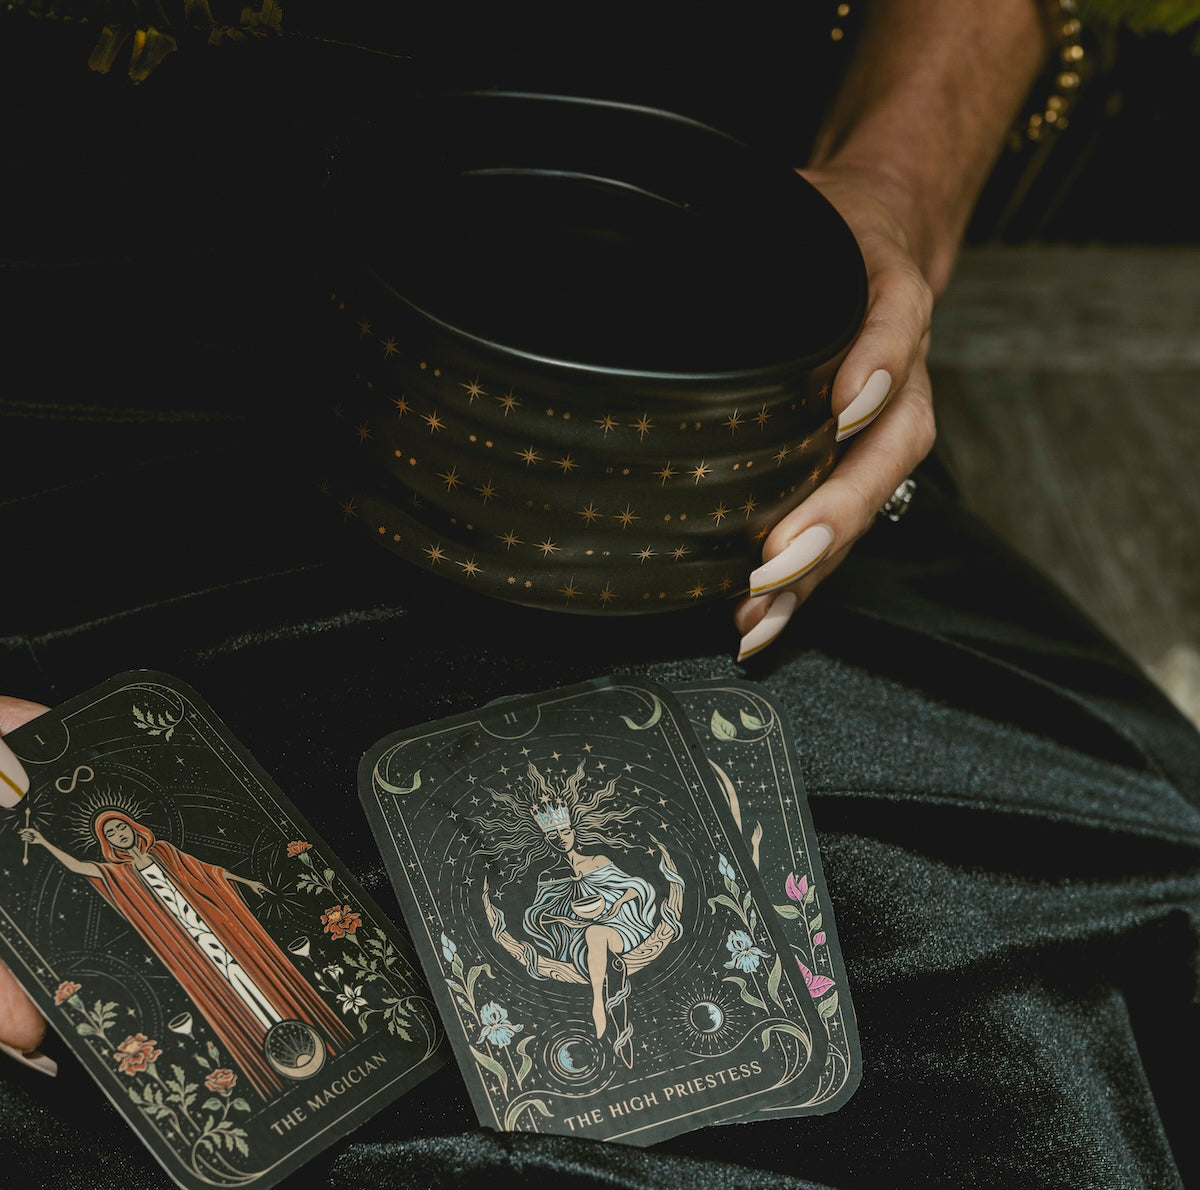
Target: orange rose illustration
[65,991]
[135,1053]
[297,847]
[340,921]
[221,1080]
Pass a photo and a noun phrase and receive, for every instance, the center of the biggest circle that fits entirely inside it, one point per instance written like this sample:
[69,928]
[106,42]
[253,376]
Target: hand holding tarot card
[605,957]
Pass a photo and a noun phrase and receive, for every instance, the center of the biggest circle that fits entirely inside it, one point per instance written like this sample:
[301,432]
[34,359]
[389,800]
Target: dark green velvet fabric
[1009,814]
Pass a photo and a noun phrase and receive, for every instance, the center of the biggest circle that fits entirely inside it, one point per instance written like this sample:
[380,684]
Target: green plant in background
[1144,16]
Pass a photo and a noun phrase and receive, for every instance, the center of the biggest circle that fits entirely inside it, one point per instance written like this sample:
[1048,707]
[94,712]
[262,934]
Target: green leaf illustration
[828,1006]
[789,912]
[745,993]
[526,1060]
[773,981]
[721,727]
[751,722]
[490,1063]
[515,1110]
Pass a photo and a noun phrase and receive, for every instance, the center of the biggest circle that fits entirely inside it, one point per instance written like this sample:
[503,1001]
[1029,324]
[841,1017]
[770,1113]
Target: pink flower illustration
[797,892]
[819,938]
[818,985]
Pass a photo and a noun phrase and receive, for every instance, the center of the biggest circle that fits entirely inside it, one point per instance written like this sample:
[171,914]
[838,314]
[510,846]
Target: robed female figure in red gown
[192,917]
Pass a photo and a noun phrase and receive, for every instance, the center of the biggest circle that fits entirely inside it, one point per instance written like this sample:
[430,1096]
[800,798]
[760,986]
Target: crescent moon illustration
[655,715]
[401,790]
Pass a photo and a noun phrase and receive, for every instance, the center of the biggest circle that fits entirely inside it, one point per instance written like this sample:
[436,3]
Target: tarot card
[221,975]
[604,956]
[749,743]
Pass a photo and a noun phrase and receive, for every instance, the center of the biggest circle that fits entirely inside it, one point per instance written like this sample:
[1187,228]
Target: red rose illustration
[297,847]
[66,990]
[135,1053]
[221,1080]
[340,921]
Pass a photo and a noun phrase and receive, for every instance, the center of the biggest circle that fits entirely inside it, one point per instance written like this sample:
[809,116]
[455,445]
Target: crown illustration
[552,816]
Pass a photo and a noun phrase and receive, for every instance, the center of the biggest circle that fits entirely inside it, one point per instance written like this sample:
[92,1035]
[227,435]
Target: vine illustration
[747,957]
[207,1133]
[372,960]
[801,896]
[496,1034]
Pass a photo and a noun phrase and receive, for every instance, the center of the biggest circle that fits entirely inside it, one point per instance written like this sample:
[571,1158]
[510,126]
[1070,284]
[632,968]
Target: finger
[22,1026]
[812,540]
[14,781]
[888,345]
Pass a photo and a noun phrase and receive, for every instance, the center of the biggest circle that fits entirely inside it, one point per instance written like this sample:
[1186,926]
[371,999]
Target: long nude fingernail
[865,408]
[794,562]
[14,781]
[33,1058]
[770,626]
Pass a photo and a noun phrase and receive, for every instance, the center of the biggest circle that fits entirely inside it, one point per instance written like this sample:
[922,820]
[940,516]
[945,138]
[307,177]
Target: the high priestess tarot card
[221,975]
[604,956]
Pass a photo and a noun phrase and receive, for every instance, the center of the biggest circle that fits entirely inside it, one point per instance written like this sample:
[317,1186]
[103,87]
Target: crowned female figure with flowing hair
[191,916]
[581,918]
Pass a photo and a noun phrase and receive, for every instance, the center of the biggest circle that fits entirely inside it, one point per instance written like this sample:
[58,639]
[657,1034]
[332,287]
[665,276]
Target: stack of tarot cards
[615,892]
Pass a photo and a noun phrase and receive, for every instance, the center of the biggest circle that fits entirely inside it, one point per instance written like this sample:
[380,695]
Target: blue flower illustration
[449,950]
[724,867]
[745,954]
[497,1028]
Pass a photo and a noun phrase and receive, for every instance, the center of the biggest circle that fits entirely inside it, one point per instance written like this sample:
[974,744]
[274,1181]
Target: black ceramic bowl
[588,348]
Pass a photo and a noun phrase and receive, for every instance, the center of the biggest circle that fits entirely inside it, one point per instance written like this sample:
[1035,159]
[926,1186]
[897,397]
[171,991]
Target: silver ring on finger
[899,501]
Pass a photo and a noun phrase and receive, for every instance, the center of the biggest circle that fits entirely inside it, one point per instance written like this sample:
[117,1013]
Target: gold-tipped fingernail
[14,781]
[794,562]
[867,406]
[770,626]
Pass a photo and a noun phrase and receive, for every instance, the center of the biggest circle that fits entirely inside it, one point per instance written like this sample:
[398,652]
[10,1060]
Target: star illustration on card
[591,513]
[434,422]
[566,464]
[486,491]
[719,513]
[402,405]
[733,421]
[666,472]
[470,567]
[645,554]
[510,539]
[450,478]
[607,422]
[508,403]
[474,390]
[699,471]
[627,517]
[643,425]
[762,417]
[569,591]
[435,554]
[548,547]
[606,594]
[529,456]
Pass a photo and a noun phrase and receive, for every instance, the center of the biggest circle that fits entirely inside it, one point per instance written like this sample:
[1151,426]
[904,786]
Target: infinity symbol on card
[67,784]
